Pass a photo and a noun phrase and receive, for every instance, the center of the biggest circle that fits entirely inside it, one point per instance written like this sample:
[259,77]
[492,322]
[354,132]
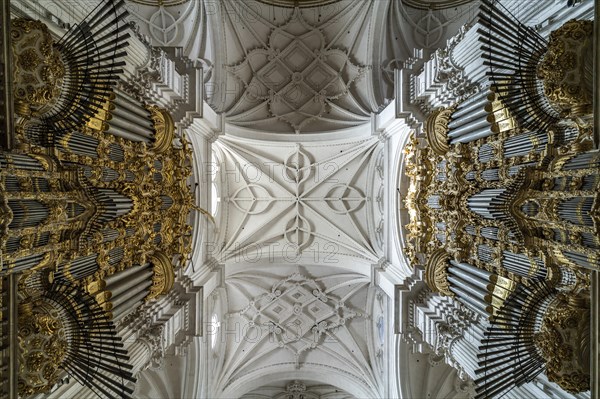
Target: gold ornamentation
[163,276]
[38,71]
[563,68]
[564,341]
[43,347]
[437,130]
[143,175]
[436,273]
[164,129]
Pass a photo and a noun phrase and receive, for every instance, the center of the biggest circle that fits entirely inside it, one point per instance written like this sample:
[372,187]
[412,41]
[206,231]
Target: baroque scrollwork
[43,347]
[38,71]
[164,127]
[437,273]
[163,276]
[437,130]
[563,69]
[564,341]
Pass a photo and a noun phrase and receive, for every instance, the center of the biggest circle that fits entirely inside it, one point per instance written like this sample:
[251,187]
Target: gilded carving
[564,341]
[164,129]
[436,273]
[38,70]
[437,130]
[163,276]
[43,346]
[563,68]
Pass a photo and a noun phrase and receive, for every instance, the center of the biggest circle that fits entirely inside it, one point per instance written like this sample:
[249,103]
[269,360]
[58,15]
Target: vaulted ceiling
[301,182]
[298,390]
[299,200]
[304,321]
[286,70]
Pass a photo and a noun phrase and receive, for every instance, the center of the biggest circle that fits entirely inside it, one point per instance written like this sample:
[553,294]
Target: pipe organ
[503,198]
[95,202]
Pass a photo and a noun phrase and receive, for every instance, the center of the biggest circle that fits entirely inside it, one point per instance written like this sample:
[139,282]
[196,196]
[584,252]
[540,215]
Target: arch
[282,372]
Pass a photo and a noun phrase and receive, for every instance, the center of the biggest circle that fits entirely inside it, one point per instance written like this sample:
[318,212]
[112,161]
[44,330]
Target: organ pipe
[506,219]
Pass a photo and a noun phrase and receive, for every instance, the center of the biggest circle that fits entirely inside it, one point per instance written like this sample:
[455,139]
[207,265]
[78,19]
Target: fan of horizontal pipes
[513,51]
[92,53]
[95,356]
[508,356]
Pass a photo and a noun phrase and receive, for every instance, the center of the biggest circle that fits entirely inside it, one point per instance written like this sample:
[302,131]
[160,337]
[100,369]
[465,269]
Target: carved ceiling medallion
[298,314]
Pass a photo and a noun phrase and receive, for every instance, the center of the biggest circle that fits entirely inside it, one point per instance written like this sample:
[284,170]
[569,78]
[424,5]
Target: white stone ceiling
[319,202]
[308,321]
[296,70]
[429,377]
[298,390]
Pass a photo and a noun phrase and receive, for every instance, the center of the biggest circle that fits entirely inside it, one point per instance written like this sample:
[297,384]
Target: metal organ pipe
[123,289]
[133,117]
[470,106]
[486,203]
[19,161]
[77,268]
[471,300]
[133,302]
[127,288]
[480,125]
[129,119]
[27,262]
[128,280]
[115,278]
[471,114]
[125,125]
[491,174]
[464,56]
[464,353]
[483,274]
[27,213]
[577,210]
[473,135]
[470,120]
[523,144]
[522,265]
[466,281]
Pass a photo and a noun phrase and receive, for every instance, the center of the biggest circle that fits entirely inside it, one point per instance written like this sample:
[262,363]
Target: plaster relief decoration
[168,22]
[303,75]
[298,390]
[378,339]
[298,315]
[429,22]
[293,201]
[379,188]
[300,319]
[442,81]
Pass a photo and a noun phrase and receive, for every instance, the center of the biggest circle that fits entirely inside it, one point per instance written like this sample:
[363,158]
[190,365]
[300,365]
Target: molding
[359,131]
